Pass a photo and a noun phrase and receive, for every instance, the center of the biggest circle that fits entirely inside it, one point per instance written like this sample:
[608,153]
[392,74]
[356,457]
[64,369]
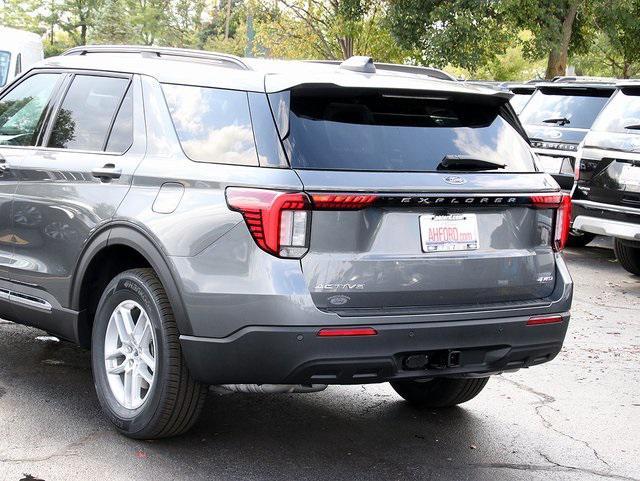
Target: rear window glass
[621,115]
[572,108]
[213,125]
[518,101]
[84,118]
[357,129]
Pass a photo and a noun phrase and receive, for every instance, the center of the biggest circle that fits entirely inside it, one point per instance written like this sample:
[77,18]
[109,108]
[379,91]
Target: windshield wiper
[557,120]
[465,162]
[633,127]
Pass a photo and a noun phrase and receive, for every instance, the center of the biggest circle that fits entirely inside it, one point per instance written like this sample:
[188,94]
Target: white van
[18,50]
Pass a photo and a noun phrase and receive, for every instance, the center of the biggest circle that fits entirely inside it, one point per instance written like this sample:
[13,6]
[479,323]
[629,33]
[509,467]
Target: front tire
[628,255]
[439,392]
[141,379]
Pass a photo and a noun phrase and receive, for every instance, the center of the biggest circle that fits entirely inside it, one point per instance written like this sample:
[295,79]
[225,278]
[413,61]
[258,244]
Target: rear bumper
[605,219]
[296,355]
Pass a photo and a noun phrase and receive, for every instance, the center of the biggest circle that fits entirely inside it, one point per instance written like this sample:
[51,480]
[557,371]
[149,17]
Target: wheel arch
[118,239]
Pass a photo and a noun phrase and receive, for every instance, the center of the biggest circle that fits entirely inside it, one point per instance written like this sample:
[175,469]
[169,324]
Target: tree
[326,29]
[463,33]
[23,15]
[558,27]
[618,44]
[77,17]
[112,24]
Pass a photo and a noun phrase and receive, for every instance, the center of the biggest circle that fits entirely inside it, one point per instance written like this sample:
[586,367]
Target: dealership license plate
[445,233]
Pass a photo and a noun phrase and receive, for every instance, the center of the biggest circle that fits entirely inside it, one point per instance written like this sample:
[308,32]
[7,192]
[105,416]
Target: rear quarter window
[213,125]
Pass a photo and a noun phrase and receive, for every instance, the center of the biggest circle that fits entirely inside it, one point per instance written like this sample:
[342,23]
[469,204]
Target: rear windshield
[622,114]
[573,108]
[354,129]
[5,59]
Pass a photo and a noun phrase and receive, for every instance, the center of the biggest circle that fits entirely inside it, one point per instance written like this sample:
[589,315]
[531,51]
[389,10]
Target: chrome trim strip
[30,301]
[611,207]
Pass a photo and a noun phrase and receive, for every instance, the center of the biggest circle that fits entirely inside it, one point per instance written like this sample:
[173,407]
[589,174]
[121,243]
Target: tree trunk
[557,61]
[227,20]
[346,45]
[83,34]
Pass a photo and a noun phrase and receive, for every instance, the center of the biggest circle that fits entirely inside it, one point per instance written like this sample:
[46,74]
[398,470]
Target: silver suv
[196,218]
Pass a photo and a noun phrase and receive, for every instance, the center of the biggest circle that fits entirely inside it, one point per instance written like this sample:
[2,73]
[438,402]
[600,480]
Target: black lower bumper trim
[296,355]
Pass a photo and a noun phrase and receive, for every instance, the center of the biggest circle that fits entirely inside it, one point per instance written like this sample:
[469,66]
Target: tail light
[540,320]
[347,332]
[562,204]
[278,221]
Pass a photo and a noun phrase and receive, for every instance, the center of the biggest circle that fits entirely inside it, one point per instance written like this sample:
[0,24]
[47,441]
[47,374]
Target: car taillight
[562,205]
[342,201]
[278,221]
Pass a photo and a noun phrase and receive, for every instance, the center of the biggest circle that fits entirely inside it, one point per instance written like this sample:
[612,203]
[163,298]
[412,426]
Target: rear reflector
[340,332]
[536,321]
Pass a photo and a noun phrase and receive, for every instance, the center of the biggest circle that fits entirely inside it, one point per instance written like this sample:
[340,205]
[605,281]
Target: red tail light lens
[347,332]
[538,320]
[562,204]
[342,201]
[278,221]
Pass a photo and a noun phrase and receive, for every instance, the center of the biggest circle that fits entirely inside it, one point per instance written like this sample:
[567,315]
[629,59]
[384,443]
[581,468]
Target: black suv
[557,118]
[607,193]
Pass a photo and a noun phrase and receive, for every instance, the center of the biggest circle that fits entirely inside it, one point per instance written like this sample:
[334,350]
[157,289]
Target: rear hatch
[610,166]
[420,200]
[556,119]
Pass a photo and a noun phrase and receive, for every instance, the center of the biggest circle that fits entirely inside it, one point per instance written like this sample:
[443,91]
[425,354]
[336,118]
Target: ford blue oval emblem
[454,179]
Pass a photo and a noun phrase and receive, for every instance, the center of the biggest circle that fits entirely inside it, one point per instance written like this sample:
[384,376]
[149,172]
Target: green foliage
[112,25]
[463,33]
[488,39]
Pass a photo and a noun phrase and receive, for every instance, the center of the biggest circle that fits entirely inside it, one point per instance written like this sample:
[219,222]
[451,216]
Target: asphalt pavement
[576,418]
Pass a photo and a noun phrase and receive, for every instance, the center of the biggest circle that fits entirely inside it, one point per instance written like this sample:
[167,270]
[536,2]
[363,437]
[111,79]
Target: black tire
[628,256]
[578,238]
[439,392]
[175,399]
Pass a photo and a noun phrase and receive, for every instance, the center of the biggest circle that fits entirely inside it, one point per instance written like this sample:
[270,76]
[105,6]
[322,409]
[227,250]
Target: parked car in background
[606,198]
[272,226]
[557,118]
[18,51]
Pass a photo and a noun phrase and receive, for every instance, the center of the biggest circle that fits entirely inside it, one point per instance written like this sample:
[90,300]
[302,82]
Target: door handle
[107,172]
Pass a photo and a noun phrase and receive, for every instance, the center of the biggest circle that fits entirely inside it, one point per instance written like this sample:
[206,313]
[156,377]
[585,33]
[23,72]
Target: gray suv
[268,226]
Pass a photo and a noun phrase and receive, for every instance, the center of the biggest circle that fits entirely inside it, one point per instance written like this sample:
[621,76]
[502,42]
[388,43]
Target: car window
[213,125]
[518,101]
[5,60]
[333,128]
[121,136]
[572,108]
[84,118]
[21,109]
[622,114]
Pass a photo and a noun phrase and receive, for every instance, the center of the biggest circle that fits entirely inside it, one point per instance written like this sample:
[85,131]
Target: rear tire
[628,255]
[579,238]
[439,392]
[159,398]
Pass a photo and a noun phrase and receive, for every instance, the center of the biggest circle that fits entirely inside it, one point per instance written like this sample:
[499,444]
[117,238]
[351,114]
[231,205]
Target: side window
[121,136]
[18,64]
[84,118]
[21,109]
[213,125]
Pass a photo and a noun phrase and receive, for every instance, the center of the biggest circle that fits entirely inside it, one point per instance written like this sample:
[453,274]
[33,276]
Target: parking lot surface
[576,418]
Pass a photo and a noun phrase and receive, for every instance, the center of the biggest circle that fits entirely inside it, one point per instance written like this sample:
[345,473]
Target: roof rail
[415,69]
[395,67]
[160,52]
